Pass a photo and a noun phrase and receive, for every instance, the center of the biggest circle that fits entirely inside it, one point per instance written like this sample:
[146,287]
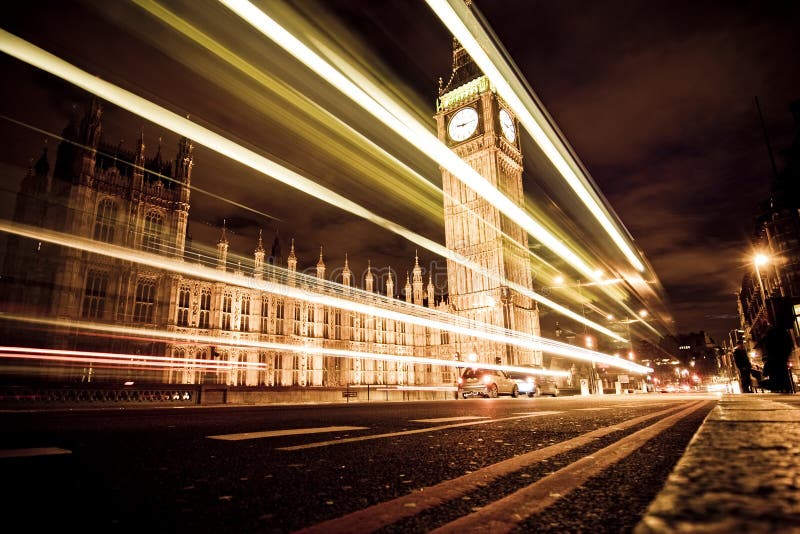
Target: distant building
[699,354]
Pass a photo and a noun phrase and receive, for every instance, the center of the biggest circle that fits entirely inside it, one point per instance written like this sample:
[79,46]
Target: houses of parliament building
[100,192]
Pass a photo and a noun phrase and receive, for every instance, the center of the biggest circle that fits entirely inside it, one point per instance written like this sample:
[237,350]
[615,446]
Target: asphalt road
[571,464]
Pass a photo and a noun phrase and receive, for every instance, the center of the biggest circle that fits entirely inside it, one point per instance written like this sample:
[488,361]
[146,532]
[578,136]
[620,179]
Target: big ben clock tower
[475,122]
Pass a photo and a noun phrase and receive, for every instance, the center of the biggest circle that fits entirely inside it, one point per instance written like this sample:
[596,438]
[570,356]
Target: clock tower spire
[480,128]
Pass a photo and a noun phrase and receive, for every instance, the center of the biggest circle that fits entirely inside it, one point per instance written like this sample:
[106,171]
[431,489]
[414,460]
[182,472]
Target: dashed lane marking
[286,432]
[35,451]
[409,432]
[450,419]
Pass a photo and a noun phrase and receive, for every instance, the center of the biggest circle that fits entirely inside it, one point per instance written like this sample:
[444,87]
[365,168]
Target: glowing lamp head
[760,259]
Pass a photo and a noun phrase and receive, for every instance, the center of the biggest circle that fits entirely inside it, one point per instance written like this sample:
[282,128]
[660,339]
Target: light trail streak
[406,126]
[168,361]
[189,31]
[177,23]
[24,51]
[457,17]
[333,296]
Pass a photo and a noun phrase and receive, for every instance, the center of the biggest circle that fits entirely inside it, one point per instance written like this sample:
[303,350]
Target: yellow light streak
[398,120]
[21,49]
[457,16]
[378,306]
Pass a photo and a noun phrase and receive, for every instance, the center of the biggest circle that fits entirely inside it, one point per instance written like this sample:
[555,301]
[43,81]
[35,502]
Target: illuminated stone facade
[473,120]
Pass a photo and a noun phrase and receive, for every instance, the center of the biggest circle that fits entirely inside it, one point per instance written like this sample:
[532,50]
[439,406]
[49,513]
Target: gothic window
[401,333]
[105,221]
[337,324]
[390,328]
[279,312]
[244,322]
[370,329]
[264,314]
[379,330]
[227,305]
[205,308]
[297,317]
[94,296]
[183,306]
[326,331]
[445,337]
[153,227]
[144,301]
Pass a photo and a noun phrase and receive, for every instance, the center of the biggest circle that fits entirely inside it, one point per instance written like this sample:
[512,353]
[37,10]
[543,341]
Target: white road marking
[409,432]
[286,432]
[36,451]
[450,419]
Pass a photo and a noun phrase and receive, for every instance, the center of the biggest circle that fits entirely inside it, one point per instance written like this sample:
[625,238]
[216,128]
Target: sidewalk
[740,473]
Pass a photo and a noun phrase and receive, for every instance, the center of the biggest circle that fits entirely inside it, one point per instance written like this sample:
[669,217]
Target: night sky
[656,98]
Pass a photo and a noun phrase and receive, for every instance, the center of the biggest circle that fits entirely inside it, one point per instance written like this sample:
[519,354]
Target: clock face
[507,124]
[463,124]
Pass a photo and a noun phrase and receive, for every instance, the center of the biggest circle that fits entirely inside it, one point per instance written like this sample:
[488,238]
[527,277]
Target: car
[490,383]
[534,384]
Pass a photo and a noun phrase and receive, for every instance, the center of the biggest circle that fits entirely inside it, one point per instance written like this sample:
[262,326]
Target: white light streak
[407,126]
[326,294]
[454,14]
[37,57]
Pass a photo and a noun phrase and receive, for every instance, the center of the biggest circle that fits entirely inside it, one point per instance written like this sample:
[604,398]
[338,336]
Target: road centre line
[34,451]
[506,514]
[286,432]
[450,419]
[410,432]
[386,513]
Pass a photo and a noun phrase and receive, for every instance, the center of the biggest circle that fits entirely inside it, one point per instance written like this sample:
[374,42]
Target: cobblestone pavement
[740,473]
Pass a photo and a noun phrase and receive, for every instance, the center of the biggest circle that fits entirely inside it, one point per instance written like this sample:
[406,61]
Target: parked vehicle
[534,385]
[491,383]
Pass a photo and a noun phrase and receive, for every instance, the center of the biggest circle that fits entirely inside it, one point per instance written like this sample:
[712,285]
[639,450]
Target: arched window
[264,314]
[144,302]
[94,296]
[205,308]
[183,306]
[244,321]
[105,221]
[153,228]
[279,313]
[227,304]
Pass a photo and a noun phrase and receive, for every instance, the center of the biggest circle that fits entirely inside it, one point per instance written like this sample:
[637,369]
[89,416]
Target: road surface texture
[572,464]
